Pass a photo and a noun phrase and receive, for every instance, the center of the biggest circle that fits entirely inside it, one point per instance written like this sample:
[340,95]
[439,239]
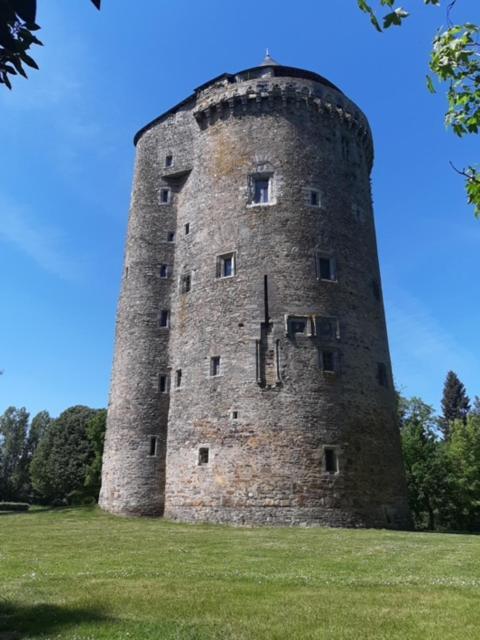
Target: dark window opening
[126,272]
[168,161]
[164,271]
[163,383]
[171,236]
[314,200]
[186,283]
[178,378]
[153,445]
[164,196]
[226,265]
[382,374]
[328,361]
[234,415]
[331,460]
[297,326]
[261,190]
[163,320]
[215,366]
[203,455]
[326,268]
[327,328]
[187,228]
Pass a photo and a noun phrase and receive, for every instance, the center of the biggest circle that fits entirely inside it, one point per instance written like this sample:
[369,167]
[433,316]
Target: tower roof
[268,61]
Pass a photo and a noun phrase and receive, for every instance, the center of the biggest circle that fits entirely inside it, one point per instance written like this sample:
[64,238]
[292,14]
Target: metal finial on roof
[268,61]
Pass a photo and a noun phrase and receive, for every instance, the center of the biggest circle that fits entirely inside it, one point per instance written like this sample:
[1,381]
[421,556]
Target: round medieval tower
[252,379]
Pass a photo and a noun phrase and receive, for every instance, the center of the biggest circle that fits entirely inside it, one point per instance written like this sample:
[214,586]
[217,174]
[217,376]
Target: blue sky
[67,158]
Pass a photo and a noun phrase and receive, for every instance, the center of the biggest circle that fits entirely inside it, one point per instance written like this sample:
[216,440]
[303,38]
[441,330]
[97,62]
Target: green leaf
[430,85]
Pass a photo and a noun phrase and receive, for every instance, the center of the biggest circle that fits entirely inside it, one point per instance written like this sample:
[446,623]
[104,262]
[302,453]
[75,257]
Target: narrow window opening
[314,199]
[326,268]
[226,265]
[163,383]
[345,148]
[164,318]
[215,366]
[203,455]
[126,272]
[187,228]
[382,374]
[331,460]
[178,378]
[261,190]
[186,283]
[164,196]
[328,361]
[153,445]
[164,271]
[168,161]
[171,236]
[234,415]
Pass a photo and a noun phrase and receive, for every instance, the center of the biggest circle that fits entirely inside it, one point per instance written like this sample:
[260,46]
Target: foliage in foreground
[79,574]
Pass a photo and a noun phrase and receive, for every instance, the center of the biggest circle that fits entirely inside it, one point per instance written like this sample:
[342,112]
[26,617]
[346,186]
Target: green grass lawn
[80,574]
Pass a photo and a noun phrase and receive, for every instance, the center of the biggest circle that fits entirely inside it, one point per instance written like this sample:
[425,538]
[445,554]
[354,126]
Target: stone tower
[252,379]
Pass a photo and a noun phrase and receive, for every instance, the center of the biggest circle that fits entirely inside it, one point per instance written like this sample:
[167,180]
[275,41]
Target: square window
[215,366]
[297,326]
[164,196]
[226,265]
[330,460]
[171,236]
[164,271]
[186,283]
[169,161]
[187,228]
[382,376]
[163,383]
[203,455]
[164,318]
[153,445]
[327,328]
[178,378]
[326,268]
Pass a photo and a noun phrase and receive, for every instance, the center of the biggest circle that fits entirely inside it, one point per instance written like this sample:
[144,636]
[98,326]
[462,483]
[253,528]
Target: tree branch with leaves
[455,60]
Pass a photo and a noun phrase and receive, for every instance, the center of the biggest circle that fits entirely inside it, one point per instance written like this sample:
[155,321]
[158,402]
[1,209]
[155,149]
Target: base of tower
[384,518]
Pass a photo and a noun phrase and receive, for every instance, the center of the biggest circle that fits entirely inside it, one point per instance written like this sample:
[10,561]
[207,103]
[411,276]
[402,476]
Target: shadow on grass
[20,621]
[37,510]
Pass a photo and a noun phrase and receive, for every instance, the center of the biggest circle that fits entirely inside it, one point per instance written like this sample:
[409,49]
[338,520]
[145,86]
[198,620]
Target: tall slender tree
[455,403]
[13,435]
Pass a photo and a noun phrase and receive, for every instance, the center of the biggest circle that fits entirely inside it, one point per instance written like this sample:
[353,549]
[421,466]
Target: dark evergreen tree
[64,454]
[96,434]
[476,407]
[455,403]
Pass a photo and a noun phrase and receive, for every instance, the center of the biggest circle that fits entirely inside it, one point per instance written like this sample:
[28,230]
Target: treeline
[442,459]
[51,461]
[59,461]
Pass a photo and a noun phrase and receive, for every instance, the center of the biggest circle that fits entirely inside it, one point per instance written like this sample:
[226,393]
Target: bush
[14,506]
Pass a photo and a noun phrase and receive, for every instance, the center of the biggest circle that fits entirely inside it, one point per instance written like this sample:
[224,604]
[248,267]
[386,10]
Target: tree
[17,27]
[64,454]
[95,429]
[455,403]
[13,434]
[455,60]
[426,471]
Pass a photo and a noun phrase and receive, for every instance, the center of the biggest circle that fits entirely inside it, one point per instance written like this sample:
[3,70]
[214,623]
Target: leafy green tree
[95,429]
[13,435]
[64,454]
[427,480]
[463,451]
[476,406]
[17,27]
[455,60]
[455,403]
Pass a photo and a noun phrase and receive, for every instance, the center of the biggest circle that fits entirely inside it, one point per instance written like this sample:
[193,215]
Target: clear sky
[67,158]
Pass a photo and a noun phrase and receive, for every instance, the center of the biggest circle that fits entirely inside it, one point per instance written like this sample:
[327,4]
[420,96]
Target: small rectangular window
[314,198]
[226,265]
[169,161]
[153,445]
[327,328]
[326,268]
[186,283]
[298,326]
[215,366]
[164,271]
[203,455]
[178,378]
[234,415]
[164,318]
[164,196]
[328,361]
[331,460]
[126,272]
[171,236]
[163,383]
[187,228]
[382,376]
[261,190]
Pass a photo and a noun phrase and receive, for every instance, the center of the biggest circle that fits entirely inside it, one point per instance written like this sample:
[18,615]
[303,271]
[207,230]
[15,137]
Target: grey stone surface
[267,465]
